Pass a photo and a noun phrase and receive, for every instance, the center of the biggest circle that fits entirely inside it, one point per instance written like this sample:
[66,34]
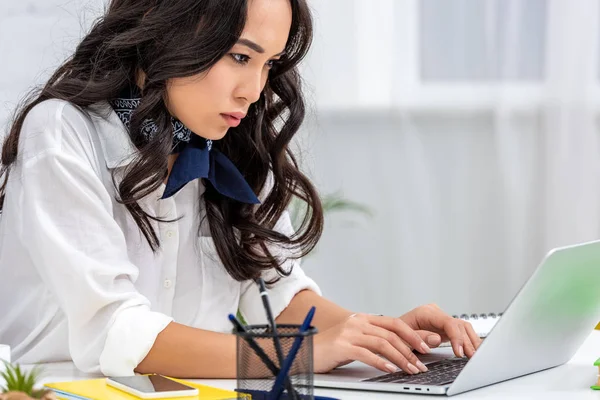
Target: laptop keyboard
[440,373]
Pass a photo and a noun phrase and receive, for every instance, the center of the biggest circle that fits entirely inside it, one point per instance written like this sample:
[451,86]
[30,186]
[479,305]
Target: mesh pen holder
[253,373]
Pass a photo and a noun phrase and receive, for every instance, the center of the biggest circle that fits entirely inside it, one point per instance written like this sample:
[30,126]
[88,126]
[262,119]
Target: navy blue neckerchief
[198,158]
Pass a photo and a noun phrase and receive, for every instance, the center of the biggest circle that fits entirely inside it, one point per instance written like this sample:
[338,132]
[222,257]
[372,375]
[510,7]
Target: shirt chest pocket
[221,293]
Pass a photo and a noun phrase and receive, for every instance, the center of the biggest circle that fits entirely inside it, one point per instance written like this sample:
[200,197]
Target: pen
[267,305]
[287,364]
[261,353]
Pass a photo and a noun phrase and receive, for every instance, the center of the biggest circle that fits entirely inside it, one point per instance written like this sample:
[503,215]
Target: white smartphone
[151,386]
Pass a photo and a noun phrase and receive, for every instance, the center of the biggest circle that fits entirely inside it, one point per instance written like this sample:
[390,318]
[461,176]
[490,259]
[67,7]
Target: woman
[130,225]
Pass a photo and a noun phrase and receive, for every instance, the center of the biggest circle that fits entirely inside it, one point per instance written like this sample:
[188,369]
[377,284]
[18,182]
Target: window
[451,55]
[469,54]
[481,41]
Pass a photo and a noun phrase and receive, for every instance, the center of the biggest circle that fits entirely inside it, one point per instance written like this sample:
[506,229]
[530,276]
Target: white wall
[35,37]
[395,261]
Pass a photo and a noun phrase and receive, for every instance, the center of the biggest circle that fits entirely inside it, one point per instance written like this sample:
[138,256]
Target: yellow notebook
[97,389]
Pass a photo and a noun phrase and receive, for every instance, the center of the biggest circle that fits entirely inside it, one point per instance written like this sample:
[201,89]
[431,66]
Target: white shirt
[78,281]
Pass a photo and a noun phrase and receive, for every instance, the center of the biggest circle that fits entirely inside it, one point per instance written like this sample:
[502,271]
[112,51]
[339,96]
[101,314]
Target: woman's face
[205,102]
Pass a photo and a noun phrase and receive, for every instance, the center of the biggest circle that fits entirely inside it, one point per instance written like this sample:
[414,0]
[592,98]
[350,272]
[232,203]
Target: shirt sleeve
[78,248]
[282,292]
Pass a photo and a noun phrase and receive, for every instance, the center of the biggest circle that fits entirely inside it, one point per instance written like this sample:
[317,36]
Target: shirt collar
[119,151]
[117,148]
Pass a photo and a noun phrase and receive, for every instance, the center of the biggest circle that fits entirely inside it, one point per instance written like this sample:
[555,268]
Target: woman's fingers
[377,345]
[389,345]
[431,317]
[473,336]
[431,338]
[400,328]
[453,330]
[368,357]
[467,345]
[386,343]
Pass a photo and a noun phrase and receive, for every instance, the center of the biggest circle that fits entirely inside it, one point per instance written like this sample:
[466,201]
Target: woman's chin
[214,135]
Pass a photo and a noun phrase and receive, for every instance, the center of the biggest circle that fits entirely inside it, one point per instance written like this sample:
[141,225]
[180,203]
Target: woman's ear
[140,78]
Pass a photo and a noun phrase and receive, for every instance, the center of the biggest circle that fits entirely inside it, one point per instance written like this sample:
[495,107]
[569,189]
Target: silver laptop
[543,327]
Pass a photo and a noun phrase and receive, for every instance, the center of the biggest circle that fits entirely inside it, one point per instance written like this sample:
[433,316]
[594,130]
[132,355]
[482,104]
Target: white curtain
[470,129]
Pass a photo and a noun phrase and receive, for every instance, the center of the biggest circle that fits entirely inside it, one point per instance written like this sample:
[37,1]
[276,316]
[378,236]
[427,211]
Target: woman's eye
[244,59]
[240,58]
[272,63]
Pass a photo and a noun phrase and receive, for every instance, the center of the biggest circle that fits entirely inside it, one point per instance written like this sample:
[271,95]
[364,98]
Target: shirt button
[170,234]
[168,283]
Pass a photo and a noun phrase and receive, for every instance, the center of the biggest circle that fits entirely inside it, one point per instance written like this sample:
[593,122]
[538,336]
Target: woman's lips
[231,120]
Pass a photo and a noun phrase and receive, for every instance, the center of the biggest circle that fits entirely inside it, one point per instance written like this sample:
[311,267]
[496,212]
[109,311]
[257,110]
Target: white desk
[569,381]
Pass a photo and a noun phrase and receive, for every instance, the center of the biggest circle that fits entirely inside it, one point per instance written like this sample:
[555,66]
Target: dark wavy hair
[179,38]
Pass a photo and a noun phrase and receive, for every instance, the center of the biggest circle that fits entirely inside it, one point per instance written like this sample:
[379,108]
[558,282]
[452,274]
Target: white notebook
[482,323]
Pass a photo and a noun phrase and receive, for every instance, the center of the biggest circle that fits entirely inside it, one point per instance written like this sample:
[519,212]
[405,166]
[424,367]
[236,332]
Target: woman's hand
[365,337]
[430,318]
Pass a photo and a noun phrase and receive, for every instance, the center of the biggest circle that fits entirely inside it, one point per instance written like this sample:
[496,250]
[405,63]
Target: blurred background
[461,134]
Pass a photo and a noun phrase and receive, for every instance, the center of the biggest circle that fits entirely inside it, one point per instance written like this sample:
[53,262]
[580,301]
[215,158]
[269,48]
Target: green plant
[333,202]
[241,318]
[20,381]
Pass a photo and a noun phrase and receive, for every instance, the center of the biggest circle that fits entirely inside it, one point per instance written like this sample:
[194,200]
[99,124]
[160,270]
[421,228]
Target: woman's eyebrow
[256,47]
